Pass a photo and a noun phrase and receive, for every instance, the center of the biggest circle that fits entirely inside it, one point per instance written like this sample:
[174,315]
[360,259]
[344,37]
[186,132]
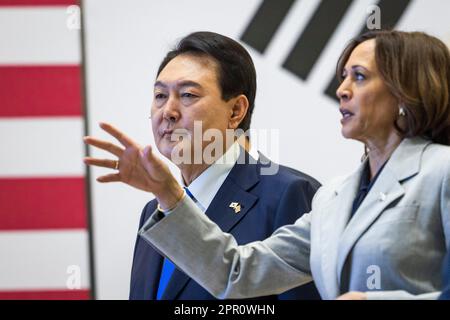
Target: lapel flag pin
[236,206]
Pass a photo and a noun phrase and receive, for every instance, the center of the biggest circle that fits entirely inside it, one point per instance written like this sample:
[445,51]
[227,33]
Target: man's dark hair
[236,73]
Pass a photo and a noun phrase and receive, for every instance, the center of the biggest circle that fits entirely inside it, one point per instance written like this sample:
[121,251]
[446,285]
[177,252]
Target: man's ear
[239,110]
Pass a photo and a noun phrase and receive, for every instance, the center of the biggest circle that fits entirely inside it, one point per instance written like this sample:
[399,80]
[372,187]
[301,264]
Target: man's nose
[172,110]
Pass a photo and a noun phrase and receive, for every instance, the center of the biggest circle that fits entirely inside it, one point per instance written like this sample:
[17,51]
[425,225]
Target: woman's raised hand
[136,166]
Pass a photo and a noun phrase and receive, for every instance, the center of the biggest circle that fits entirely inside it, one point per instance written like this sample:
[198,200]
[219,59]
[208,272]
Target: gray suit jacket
[392,248]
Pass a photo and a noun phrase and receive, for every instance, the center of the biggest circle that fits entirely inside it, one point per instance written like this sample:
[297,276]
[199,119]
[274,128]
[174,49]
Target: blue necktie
[190,194]
[168,266]
[168,269]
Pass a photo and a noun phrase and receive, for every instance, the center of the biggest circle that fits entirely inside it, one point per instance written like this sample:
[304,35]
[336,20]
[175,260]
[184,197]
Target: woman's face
[368,108]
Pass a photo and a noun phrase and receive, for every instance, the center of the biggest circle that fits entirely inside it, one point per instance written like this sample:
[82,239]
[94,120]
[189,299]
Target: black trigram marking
[315,37]
[317,33]
[265,23]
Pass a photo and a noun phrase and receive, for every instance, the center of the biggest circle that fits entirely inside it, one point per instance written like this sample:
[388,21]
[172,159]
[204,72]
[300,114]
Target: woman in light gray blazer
[381,232]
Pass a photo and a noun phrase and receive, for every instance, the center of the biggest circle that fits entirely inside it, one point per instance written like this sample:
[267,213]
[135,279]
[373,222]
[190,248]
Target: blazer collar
[235,188]
[404,164]
[406,159]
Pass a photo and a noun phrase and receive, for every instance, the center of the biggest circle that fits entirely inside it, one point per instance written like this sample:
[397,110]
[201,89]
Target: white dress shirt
[208,183]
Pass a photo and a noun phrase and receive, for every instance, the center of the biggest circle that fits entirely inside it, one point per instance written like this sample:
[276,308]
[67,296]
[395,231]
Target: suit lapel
[177,282]
[147,267]
[152,275]
[220,211]
[235,188]
[224,216]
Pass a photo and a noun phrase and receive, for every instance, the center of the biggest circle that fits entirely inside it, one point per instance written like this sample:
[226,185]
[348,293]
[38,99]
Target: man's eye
[188,95]
[159,96]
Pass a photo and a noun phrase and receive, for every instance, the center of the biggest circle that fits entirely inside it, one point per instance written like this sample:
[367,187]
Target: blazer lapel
[333,221]
[403,165]
[235,188]
[384,192]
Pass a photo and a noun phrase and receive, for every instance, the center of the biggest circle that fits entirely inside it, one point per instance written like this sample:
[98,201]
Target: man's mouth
[167,132]
[173,134]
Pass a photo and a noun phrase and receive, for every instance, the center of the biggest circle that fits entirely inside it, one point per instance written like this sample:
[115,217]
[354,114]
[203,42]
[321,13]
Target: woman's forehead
[363,55]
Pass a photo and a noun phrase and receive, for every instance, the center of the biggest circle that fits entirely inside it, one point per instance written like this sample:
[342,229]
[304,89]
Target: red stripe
[45,295]
[38,2]
[40,91]
[42,203]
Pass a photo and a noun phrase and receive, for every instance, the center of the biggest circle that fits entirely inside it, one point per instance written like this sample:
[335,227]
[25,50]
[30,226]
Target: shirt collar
[365,184]
[208,183]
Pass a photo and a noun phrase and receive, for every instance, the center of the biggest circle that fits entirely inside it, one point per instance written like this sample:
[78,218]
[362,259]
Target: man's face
[186,91]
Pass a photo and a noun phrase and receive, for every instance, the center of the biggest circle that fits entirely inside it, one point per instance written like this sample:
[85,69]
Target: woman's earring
[401,112]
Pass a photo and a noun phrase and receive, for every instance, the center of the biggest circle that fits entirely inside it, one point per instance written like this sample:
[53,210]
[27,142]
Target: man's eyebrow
[180,84]
[160,84]
[189,83]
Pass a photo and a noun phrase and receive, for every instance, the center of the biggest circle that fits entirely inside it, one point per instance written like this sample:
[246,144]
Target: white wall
[125,42]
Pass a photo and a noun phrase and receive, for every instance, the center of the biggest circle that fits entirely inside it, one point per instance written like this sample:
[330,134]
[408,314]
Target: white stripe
[41,147]
[38,35]
[42,260]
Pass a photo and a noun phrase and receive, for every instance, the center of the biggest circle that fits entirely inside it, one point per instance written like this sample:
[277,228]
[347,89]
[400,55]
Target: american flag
[44,238]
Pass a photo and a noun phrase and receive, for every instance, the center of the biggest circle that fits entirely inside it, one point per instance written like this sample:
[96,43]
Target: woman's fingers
[112,177]
[116,133]
[104,145]
[105,163]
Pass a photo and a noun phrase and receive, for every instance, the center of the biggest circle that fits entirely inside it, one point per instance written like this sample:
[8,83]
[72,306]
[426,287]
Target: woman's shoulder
[437,155]
[435,162]
[438,148]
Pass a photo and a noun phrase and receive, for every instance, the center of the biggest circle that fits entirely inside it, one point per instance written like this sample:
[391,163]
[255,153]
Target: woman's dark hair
[416,69]
[236,72]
